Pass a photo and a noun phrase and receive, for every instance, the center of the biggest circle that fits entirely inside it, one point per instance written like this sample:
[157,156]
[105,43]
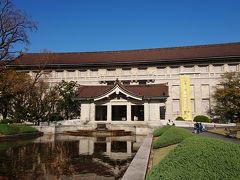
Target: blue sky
[96,25]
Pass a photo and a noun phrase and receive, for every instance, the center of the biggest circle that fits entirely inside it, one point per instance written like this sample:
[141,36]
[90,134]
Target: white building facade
[203,64]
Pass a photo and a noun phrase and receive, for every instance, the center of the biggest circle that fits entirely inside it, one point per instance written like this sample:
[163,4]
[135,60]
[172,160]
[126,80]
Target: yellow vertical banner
[185,97]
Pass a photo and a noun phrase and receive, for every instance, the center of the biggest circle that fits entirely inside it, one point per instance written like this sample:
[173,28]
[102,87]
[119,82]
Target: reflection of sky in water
[62,156]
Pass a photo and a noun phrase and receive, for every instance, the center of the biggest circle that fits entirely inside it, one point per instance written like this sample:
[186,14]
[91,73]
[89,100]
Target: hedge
[6,129]
[22,128]
[173,135]
[179,118]
[8,121]
[201,118]
[199,158]
[160,131]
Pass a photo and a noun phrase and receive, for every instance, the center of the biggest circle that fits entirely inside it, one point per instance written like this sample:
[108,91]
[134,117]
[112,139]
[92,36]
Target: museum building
[138,86]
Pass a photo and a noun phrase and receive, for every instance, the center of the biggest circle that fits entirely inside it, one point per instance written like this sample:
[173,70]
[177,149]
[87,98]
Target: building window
[100,113]
[232,67]
[192,90]
[193,105]
[100,147]
[188,68]
[119,113]
[137,112]
[203,68]
[205,91]
[174,70]
[175,91]
[162,112]
[205,105]
[110,82]
[176,106]
[142,82]
[119,146]
[217,68]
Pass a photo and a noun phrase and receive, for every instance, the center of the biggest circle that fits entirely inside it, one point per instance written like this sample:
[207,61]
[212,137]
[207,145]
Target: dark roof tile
[145,91]
[131,56]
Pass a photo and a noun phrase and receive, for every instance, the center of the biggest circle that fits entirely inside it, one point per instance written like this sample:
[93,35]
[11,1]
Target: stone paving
[138,167]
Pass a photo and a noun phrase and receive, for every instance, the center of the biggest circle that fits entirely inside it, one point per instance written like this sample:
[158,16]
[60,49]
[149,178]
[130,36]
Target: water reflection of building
[92,157]
[114,148]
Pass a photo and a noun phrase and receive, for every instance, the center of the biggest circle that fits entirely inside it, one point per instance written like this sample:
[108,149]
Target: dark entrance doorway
[101,113]
[137,112]
[119,113]
[162,112]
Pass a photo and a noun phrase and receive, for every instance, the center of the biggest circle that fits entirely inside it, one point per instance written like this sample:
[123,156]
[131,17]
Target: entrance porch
[127,104]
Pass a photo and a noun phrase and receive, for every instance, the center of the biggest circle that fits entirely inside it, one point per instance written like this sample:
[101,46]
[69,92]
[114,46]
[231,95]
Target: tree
[227,97]
[14,25]
[66,104]
[12,84]
[37,103]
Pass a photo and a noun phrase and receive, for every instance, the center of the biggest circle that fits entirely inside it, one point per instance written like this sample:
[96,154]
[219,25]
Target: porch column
[128,111]
[92,111]
[109,112]
[129,147]
[108,149]
[146,111]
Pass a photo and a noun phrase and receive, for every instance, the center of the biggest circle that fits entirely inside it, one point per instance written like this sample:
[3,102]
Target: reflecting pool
[68,157]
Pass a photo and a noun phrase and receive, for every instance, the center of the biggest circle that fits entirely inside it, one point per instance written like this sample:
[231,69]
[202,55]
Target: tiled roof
[144,91]
[131,56]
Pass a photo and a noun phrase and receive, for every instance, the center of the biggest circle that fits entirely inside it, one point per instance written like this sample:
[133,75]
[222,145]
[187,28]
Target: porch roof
[152,91]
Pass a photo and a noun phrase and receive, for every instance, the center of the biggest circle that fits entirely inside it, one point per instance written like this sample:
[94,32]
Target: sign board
[185,97]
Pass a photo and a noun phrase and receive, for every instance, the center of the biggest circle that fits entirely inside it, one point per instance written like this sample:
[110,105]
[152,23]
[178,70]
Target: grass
[199,158]
[159,154]
[11,129]
[160,131]
[173,135]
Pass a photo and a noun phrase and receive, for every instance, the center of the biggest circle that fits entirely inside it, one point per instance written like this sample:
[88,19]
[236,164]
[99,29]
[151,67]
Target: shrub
[55,117]
[4,121]
[201,118]
[179,118]
[22,128]
[173,136]
[160,131]
[8,121]
[199,158]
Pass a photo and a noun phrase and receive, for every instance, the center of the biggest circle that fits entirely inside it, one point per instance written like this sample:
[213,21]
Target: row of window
[205,104]
[140,71]
[204,90]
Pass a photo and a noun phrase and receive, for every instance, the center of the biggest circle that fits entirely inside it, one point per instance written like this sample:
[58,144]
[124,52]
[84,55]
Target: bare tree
[14,25]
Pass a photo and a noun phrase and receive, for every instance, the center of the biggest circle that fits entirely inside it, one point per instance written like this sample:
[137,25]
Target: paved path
[218,136]
[138,167]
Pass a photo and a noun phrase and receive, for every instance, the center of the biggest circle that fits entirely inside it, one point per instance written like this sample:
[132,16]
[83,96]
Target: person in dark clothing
[200,128]
[197,126]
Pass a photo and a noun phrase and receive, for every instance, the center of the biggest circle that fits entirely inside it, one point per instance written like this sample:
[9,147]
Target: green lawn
[196,158]
[171,136]
[11,129]
[159,154]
